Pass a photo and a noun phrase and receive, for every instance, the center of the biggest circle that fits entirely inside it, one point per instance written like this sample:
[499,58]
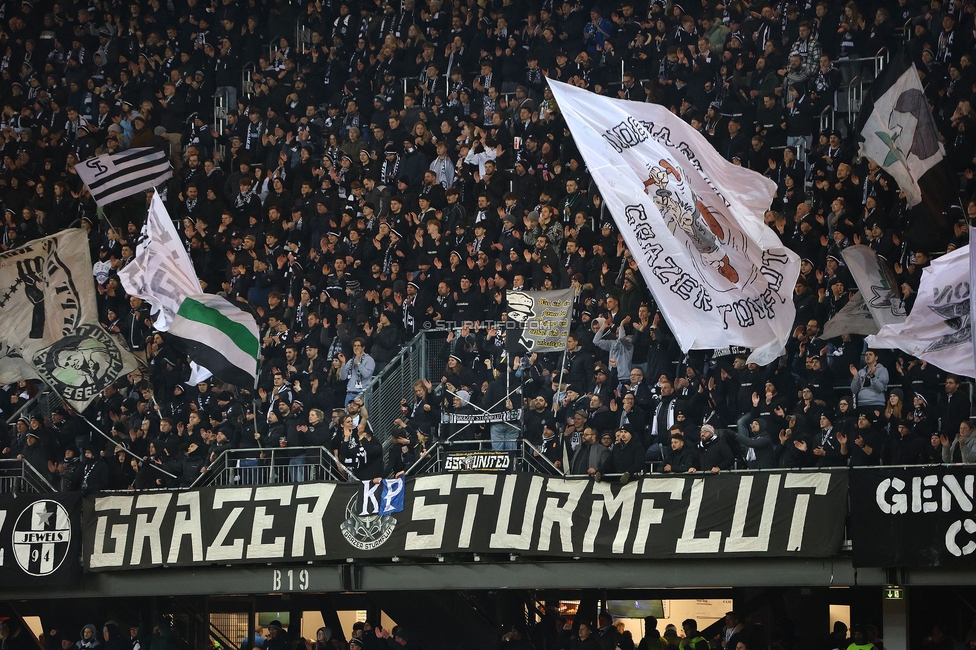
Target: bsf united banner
[478,461]
[693,222]
[772,514]
[39,538]
[913,516]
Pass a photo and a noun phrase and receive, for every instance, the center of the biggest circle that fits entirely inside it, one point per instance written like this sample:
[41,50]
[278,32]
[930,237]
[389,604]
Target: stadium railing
[274,465]
[19,476]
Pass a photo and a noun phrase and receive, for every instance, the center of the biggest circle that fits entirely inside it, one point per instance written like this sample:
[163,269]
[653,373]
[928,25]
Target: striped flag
[213,332]
[219,337]
[115,176]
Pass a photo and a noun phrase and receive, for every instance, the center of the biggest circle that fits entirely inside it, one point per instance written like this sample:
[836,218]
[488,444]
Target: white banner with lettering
[692,220]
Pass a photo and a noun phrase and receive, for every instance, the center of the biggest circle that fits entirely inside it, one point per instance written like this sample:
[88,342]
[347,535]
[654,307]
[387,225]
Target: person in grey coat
[755,441]
[589,456]
[869,384]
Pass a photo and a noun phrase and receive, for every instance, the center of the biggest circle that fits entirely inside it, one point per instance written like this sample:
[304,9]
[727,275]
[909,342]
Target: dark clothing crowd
[353,173]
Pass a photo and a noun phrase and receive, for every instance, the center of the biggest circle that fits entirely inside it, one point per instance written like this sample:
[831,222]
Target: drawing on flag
[544,319]
[49,320]
[876,283]
[115,176]
[214,333]
[693,222]
[939,329]
[853,318]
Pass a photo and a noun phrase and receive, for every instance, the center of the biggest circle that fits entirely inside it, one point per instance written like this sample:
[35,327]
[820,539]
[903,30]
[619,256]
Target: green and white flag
[214,333]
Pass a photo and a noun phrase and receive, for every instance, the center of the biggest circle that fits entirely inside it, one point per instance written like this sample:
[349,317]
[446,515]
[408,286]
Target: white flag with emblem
[939,329]
[692,221]
[898,129]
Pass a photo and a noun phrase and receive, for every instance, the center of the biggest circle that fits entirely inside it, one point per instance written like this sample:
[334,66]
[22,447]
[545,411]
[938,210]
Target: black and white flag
[898,128]
[115,176]
[901,136]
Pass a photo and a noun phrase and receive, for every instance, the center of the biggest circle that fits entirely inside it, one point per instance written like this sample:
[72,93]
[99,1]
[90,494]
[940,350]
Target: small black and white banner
[513,415]
[913,516]
[115,176]
[769,514]
[39,538]
[478,461]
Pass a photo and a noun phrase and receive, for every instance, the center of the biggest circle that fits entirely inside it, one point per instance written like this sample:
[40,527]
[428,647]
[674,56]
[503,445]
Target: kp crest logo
[369,520]
[81,365]
[41,538]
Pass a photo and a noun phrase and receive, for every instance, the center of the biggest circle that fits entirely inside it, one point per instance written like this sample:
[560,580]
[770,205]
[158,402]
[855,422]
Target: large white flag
[876,283]
[49,320]
[939,329]
[161,272]
[693,222]
[213,332]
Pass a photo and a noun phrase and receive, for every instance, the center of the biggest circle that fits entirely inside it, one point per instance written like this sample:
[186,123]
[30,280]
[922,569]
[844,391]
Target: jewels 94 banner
[40,541]
[784,514]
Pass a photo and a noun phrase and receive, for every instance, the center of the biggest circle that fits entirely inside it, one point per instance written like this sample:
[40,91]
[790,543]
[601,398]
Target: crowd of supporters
[406,166]
[732,632]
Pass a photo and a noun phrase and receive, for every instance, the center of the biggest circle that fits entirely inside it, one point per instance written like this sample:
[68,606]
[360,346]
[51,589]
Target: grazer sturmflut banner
[784,514]
[913,516]
[40,539]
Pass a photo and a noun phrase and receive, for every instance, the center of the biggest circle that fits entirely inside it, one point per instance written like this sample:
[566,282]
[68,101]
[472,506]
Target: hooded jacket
[760,444]
[115,640]
[91,643]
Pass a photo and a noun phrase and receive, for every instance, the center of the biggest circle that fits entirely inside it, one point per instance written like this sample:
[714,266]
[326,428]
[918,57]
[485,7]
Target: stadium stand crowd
[732,632]
[407,165]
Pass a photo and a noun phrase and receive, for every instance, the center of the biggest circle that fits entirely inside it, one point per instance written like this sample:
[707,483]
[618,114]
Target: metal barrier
[274,465]
[527,457]
[827,119]
[247,84]
[42,404]
[423,357]
[303,36]
[881,60]
[383,393]
[20,476]
[855,94]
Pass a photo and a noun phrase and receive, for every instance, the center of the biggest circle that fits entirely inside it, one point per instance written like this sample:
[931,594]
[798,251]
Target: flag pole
[569,317]
[124,448]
